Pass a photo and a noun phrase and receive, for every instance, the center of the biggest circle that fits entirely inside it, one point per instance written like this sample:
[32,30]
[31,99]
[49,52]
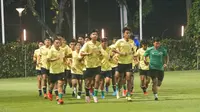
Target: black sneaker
[156,99]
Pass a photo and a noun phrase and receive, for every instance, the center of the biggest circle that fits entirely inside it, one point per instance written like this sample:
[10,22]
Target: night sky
[166,14]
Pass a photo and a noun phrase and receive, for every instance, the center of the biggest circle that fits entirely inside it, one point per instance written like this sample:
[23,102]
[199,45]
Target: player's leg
[107,80]
[148,79]
[39,80]
[52,81]
[44,81]
[129,81]
[102,82]
[153,75]
[80,86]
[119,74]
[132,82]
[65,82]
[88,79]
[143,81]
[97,82]
[56,90]
[113,81]
[60,88]
[160,78]
[74,85]
[69,78]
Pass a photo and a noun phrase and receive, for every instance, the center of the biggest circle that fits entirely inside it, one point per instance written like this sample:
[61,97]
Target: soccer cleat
[103,97]
[117,95]
[145,93]
[129,98]
[78,97]
[87,99]
[95,99]
[156,99]
[50,96]
[114,93]
[60,102]
[57,98]
[45,96]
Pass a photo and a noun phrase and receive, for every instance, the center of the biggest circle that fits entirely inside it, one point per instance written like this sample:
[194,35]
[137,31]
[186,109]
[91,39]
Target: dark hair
[104,39]
[94,30]
[47,39]
[126,29]
[73,40]
[56,39]
[144,42]
[81,36]
[157,39]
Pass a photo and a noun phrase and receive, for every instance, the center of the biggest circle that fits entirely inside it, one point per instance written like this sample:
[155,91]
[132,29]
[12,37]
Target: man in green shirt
[158,61]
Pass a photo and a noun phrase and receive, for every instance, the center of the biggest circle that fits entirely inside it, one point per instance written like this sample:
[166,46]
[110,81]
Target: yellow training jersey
[36,55]
[92,60]
[67,50]
[140,55]
[114,59]
[77,64]
[56,66]
[125,47]
[43,54]
[105,62]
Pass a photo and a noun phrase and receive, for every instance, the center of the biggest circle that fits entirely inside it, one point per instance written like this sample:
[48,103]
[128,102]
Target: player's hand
[165,65]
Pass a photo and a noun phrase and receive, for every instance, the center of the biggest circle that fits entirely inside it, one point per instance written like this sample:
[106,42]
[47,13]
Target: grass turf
[180,92]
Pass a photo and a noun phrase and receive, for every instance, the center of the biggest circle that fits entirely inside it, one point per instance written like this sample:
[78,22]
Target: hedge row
[182,55]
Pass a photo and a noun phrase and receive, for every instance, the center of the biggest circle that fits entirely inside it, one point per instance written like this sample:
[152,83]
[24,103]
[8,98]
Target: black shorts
[77,76]
[91,72]
[156,74]
[53,78]
[144,72]
[44,71]
[38,72]
[123,68]
[68,74]
[105,74]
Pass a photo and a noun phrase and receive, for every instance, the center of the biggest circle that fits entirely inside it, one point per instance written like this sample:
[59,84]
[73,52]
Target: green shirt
[156,57]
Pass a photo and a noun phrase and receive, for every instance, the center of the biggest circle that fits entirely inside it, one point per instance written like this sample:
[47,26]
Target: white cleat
[78,97]
[117,95]
[95,99]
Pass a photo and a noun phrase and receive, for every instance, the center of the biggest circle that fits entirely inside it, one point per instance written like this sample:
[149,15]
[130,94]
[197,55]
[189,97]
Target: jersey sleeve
[116,45]
[49,55]
[84,48]
[164,52]
[147,53]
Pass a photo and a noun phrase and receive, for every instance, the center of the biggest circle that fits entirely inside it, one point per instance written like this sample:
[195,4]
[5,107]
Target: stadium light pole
[20,10]
[74,19]
[182,31]
[25,38]
[2,22]
[102,33]
[140,14]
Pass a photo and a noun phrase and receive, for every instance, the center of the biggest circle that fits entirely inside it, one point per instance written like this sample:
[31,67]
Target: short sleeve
[116,45]
[84,48]
[147,53]
[164,52]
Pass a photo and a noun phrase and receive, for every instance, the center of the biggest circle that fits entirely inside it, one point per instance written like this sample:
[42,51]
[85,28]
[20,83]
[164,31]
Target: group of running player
[96,63]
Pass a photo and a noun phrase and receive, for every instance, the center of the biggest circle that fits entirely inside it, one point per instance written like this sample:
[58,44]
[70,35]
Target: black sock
[114,88]
[40,92]
[79,93]
[144,89]
[64,87]
[44,90]
[87,92]
[56,92]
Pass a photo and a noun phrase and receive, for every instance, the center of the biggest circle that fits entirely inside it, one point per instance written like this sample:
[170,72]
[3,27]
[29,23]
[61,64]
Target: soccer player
[77,71]
[81,40]
[92,53]
[105,66]
[87,39]
[125,50]
[67,50]
[143,68]
[56,59]
[44,64]
[38,68]
[158,61]
[114,63]
[72,45]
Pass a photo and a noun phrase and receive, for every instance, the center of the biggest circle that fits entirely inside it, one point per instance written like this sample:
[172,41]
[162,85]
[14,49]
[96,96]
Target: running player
[158,61]
[105,66]
[44,64]
[38,68]
[77,71]
[81,40]
[92,53]
[143,68]
[56,59]
[125,51]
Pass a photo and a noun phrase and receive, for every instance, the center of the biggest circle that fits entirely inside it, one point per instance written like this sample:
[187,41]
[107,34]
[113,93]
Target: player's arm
[146,54]
[34,57]
[166,58]
[83,51]
[116,47]
[50,58]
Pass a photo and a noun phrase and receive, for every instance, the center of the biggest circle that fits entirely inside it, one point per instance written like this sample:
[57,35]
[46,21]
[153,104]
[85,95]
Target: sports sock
[56,92]
[44,90]
[87,92]
[79,93]
[114,88]
[124,86]
[50,91]
[95,92]
[60,95]
[156,95]
[64,87]
[102,93]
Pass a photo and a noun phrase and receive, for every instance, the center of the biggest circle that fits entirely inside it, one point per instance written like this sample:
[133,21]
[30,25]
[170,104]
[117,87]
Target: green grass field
[180,92]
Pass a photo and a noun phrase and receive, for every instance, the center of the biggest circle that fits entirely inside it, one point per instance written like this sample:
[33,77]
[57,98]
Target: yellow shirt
[92,60]
[43,53]
[77,64]
[105,62]
[140,55]
[57,66]
[114,59]
[67,50]
[125,47]
[36,54]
